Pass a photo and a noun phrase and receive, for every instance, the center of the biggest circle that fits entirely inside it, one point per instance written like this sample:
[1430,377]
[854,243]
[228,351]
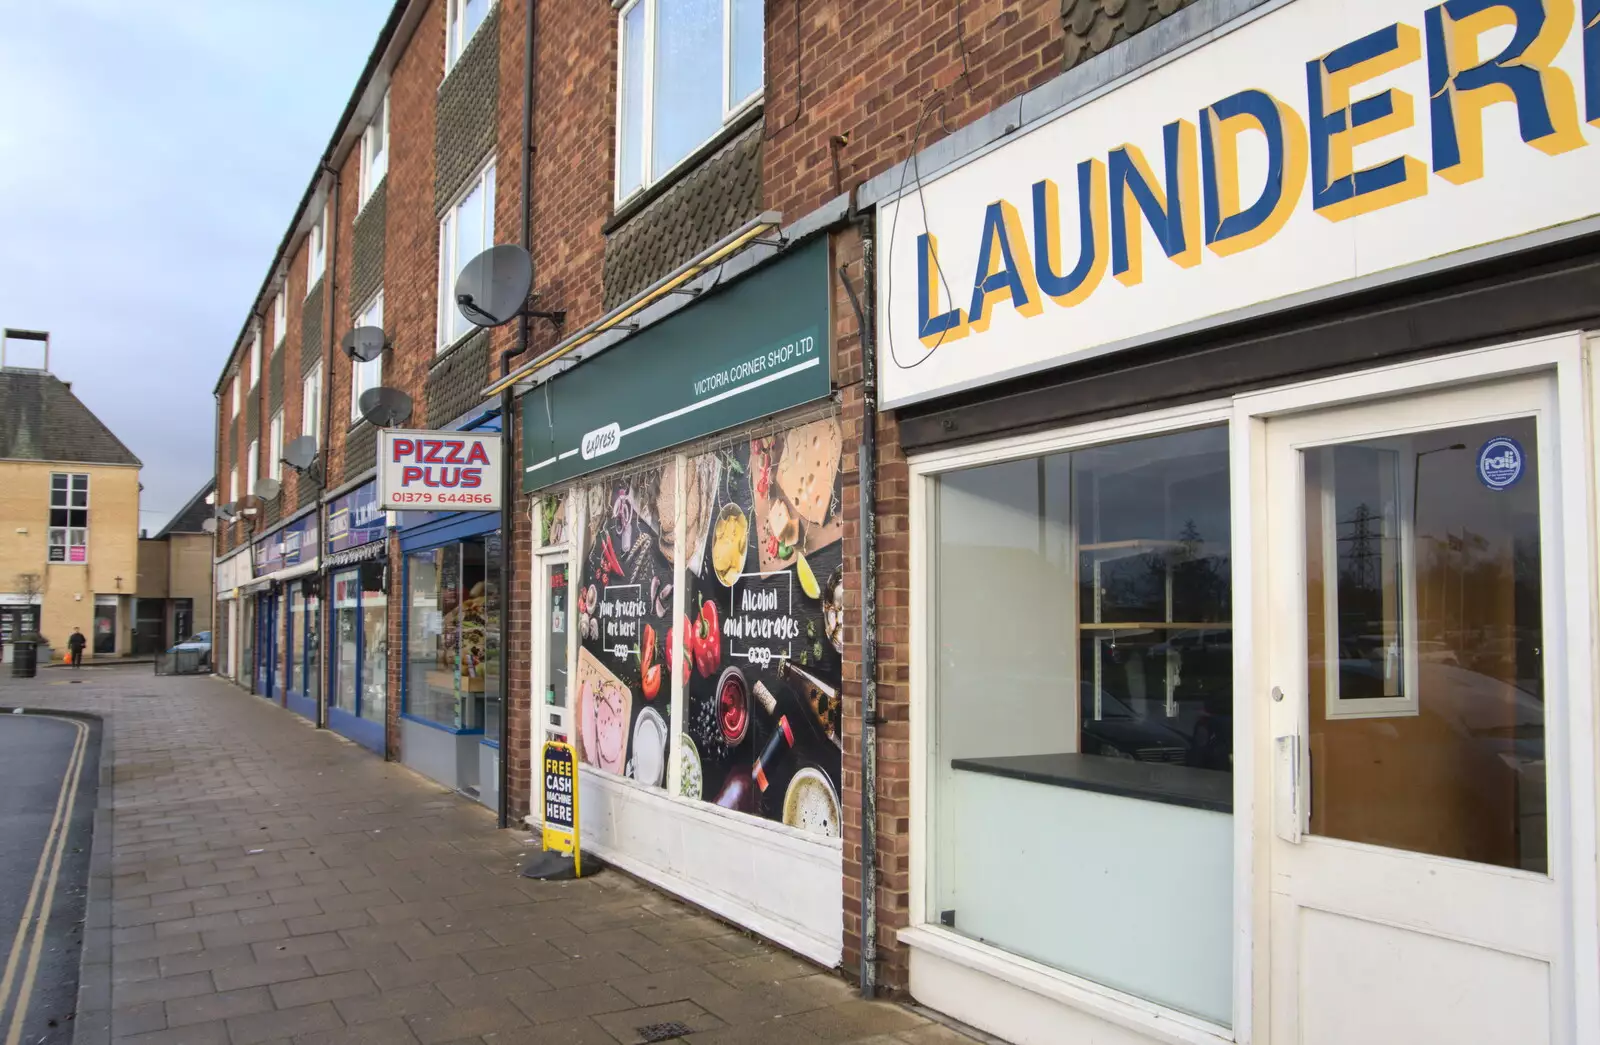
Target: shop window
[452,650]
[361,623]
[347,628]
[69,517]
[313,642]
[1082,702]
[687,69]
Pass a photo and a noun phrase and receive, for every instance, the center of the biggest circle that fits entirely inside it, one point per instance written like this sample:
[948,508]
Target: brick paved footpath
[270,882]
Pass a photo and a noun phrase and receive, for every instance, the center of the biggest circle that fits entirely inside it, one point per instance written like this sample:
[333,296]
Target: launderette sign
[1326,141]
[752,349]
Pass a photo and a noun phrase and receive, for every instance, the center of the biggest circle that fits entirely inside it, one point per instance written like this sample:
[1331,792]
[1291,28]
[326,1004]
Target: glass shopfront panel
[247,639]
[347,628]
[295,643]
[313,642]
[452,636]
[1082,701]
[374,644]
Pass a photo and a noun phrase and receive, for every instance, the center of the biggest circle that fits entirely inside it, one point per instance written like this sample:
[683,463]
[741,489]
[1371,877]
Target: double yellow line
[30,935]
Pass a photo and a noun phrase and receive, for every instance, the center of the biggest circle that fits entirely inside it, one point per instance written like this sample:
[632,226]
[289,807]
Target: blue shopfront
[282,655]
[452,611]
[356,583]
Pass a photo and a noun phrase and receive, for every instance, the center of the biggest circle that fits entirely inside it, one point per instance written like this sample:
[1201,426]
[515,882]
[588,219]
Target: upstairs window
[688,67]
[369,374]
[461,22]
[280,319]
[375,151]
[275,447]
[466,231]
[318,241]
[311,402]
[252,467]
[236,396]
[255,358]
[233,485]
[69,517]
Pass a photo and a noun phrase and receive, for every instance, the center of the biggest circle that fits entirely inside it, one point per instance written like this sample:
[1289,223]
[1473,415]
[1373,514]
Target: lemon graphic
[808,580]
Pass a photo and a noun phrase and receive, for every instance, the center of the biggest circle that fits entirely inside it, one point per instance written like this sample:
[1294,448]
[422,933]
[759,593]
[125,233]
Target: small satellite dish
[384,406]
[268,489]
[208,525]
[364,343]
[300,452]
[493,288]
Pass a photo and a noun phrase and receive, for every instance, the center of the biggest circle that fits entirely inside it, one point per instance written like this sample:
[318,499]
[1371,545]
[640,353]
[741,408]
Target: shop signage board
[233,571]
[1318,145]
[756,348]
[355,519]
[291,546]
[439,471]
[561,801]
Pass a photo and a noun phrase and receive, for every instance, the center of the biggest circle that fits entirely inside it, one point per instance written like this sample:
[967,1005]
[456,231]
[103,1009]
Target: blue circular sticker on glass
[1500,463]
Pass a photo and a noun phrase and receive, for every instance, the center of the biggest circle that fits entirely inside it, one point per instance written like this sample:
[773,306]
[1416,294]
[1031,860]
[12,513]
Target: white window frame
[252,467]
[380,124]
[730,110]
[67,543]
[237,396]
[233,485]
[311,401]
[447,259]
[455,42]
[280,318]
[317,259]
[255,357]
[357,386]
[275,447]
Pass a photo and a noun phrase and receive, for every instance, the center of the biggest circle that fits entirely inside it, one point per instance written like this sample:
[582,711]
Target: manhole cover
[661,1031]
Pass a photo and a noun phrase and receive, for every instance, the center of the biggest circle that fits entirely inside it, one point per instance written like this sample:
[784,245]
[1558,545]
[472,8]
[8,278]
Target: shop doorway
[1417,701]
[551,614]
[16,621]
[266,644]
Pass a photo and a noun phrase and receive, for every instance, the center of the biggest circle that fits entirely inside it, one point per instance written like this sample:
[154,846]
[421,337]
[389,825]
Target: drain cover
[661,1031]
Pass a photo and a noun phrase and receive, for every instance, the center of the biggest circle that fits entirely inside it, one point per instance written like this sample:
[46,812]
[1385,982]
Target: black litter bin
[24,660]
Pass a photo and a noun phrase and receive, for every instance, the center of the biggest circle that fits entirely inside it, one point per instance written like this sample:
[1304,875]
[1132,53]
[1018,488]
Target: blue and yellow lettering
[934,330]
[1003,242]
[1231,227]
[1461,83]
[1077,285]
[1338,125]
[1591,61]
[1173,214]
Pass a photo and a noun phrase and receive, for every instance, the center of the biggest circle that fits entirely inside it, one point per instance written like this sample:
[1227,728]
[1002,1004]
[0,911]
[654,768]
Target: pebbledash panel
[1247,466]
[691,642]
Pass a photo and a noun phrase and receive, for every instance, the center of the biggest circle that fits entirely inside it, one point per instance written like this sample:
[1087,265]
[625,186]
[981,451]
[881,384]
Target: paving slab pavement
[259,881]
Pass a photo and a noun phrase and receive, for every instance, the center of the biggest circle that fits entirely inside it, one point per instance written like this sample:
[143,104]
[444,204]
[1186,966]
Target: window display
[374,644]
[1082,679]
[346,623]
[452,636]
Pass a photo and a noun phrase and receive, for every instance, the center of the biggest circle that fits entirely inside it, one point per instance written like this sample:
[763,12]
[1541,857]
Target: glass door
[1415,599]
[552,612]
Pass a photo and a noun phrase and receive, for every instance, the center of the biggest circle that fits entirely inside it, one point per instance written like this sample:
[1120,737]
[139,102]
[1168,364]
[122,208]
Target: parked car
[200,642]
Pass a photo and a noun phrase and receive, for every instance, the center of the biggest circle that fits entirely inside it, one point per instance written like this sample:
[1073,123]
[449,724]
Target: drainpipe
[329,353]
[868,480]
[507,485]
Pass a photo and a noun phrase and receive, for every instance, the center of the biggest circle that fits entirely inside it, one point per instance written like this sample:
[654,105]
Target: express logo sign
[439,470]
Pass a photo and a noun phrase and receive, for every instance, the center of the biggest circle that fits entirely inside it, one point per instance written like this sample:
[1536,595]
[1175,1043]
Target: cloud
[154,151]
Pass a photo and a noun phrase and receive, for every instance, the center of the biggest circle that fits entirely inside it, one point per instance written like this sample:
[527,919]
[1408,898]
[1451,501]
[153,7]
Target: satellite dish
[493,288]
[300,452]
[208,525]
[385,406]
[364,343]
[268,489]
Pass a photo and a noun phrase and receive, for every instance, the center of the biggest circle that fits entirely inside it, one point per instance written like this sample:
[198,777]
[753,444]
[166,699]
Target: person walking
[75,644]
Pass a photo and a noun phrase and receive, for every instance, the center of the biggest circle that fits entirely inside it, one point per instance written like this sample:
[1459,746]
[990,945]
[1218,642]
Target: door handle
[1286,806]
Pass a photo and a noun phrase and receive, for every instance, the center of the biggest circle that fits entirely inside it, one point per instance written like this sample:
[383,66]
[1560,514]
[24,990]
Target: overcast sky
[151,155]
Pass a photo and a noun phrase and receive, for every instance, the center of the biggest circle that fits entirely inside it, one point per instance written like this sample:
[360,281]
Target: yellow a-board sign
[561,801]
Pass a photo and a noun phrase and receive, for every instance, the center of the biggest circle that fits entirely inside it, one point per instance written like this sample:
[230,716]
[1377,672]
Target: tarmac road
[49,769]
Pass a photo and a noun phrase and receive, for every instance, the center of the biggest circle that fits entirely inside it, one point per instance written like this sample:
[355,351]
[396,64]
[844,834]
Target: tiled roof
[41,420]
[191,515]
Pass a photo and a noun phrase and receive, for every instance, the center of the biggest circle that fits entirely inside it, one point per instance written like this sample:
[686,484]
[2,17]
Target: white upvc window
[280,318]
[255,358]
[462,19]
[275,447]
[375,151]
[311,402]
[237,395]
[369,374]
[233,485]
[252,467]
[318,242]
[687,67]
[69,517]
[466,231]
